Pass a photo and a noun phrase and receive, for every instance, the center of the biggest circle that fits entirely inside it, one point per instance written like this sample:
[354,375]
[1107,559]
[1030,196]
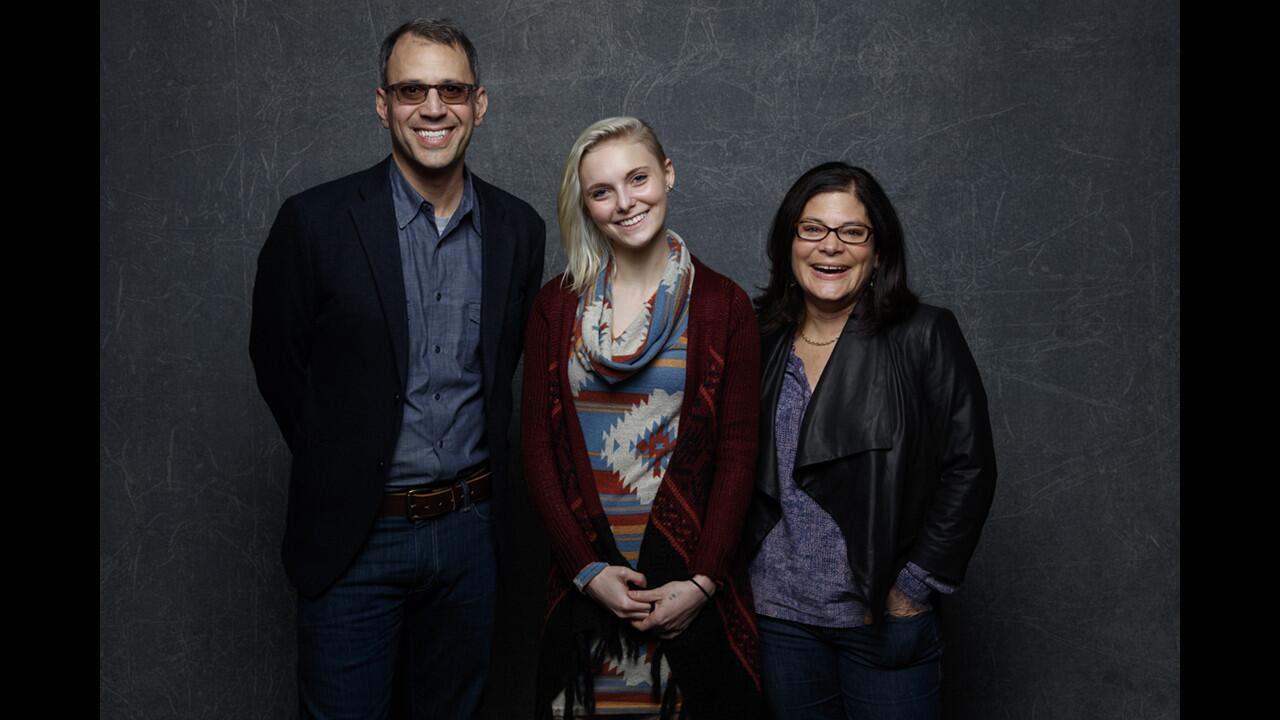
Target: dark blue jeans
[893,672]
[413,614]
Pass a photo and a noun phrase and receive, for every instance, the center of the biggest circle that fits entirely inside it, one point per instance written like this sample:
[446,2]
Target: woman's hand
[675,605]
[609,588]
[899,605]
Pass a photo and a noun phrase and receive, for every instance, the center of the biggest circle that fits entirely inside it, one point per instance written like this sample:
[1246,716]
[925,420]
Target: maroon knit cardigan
[710,477]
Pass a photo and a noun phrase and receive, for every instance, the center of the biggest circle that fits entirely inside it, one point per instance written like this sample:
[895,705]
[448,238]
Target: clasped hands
[666,610]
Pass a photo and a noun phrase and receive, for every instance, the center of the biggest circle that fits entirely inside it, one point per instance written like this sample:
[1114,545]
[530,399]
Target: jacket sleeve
[736,441]
[961,429]
[279,333]
[569,544]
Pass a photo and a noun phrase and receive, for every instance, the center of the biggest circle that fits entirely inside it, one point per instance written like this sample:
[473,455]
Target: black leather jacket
[895,445]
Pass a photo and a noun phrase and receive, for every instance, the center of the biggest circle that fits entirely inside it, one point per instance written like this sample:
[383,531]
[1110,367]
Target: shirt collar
[409,202]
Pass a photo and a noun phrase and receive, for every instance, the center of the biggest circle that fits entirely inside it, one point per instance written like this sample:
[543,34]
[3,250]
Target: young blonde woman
[639,421]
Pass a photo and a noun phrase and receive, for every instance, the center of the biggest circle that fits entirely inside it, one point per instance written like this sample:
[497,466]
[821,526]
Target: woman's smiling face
[831,272]
[624,187]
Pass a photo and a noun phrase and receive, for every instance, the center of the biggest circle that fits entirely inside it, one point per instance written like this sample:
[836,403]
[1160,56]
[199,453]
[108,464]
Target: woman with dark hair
[876,463]
[639,419]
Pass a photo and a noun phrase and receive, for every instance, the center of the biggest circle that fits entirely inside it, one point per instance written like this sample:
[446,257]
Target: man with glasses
[387,320]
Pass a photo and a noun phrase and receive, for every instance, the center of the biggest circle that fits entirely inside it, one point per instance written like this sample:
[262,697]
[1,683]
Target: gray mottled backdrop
[1031,148]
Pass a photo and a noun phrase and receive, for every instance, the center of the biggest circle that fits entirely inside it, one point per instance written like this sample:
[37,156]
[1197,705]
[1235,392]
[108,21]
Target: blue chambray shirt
[443,428]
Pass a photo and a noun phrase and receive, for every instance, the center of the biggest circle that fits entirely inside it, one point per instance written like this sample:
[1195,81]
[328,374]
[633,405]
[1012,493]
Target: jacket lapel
[375,221]
[851,410]
[774,352]
[497,245]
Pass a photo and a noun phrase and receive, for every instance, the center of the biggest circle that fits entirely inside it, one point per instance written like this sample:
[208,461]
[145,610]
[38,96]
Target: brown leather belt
[431,501]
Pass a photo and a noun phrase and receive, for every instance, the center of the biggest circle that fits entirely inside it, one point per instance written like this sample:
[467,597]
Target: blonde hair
[586,249]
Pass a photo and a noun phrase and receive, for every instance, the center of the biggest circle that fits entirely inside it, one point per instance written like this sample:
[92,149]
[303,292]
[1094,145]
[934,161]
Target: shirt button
[437,396]
[437,349]
[437,296]
[395,398]
[440,444]
[382,464]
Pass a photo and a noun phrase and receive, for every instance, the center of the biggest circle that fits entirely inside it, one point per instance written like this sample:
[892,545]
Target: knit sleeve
[736,440]
[569,545]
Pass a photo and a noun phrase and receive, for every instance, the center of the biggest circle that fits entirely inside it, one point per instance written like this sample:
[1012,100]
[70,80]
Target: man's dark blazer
[330,346]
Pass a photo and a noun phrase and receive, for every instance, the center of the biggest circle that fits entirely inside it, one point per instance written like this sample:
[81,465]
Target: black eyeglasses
[415,93]
[851,234]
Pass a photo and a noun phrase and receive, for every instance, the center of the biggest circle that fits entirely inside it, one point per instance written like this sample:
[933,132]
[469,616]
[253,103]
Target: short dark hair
[436,30]
[781,304]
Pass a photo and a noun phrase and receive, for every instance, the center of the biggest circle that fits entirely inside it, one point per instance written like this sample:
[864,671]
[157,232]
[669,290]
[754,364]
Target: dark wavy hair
[781,304]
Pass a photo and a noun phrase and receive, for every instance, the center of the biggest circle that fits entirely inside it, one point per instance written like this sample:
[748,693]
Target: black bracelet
[699,586]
